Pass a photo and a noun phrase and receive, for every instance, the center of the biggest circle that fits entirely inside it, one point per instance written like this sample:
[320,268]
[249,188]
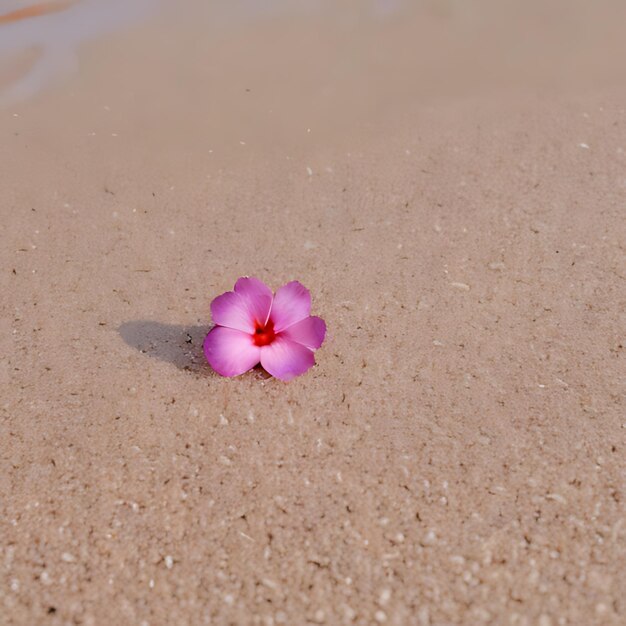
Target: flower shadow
[173,343]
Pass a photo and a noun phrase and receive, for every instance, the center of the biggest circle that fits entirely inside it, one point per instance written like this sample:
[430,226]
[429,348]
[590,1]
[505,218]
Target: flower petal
[258,297]
[292,303]
[309,332]
[230,352]
[286,359]
[232,311]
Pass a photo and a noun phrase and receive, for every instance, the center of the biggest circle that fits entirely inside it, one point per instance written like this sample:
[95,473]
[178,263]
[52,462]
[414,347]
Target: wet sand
[450,183]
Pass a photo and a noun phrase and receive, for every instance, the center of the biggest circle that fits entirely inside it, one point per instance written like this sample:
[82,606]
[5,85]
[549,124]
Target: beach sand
[449,180]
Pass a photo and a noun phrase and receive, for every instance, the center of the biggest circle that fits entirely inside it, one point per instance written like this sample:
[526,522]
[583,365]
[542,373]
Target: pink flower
[253,325]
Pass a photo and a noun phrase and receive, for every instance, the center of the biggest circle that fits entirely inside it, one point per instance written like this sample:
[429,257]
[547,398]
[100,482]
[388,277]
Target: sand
[449,180]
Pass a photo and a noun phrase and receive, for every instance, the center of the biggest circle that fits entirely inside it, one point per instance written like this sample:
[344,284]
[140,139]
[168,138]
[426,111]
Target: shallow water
[394,50]
[40,41]
[44,38]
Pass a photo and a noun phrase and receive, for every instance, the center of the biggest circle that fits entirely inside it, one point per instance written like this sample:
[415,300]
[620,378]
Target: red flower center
[264,335]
